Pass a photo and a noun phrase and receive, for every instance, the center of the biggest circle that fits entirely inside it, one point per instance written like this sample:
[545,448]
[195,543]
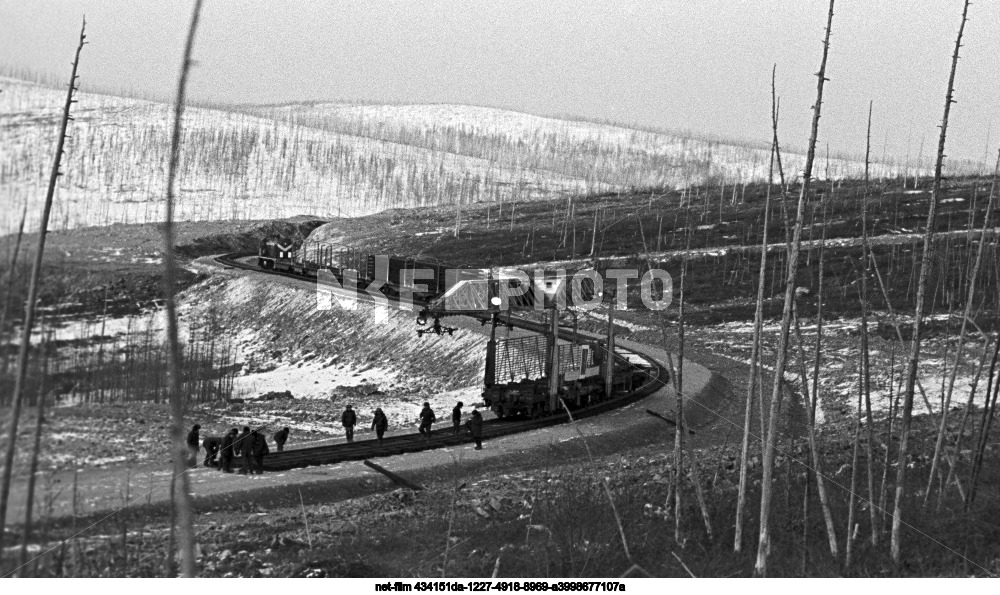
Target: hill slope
[335,159]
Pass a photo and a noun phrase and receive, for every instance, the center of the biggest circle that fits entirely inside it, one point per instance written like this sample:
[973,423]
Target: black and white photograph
[498,296]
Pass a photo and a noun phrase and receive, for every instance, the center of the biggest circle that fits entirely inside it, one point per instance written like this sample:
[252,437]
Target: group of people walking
[250,446]
[380,423]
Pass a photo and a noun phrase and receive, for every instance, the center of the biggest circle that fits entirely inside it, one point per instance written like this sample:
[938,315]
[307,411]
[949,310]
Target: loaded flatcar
[577,389]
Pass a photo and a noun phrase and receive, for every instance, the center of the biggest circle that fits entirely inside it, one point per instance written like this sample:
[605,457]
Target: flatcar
[530,397]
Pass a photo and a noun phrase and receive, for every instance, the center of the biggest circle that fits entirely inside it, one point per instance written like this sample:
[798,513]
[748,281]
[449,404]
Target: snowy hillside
[331,159]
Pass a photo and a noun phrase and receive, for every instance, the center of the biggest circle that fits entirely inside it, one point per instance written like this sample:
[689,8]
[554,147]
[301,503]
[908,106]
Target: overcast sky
[694,65]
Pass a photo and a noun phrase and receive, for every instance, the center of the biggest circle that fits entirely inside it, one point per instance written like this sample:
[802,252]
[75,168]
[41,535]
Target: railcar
[576,389]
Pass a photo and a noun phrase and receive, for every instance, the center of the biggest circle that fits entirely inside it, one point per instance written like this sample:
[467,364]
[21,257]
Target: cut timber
[396,479]
[668,420]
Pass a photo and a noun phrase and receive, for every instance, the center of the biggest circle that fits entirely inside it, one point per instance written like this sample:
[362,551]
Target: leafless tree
[181,497]
[925,266]
[865,356]
[33,289]
[966,317]
[758,323]
[764,540]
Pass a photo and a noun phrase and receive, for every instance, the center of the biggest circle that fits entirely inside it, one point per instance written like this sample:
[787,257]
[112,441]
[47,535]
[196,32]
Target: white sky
[694,65]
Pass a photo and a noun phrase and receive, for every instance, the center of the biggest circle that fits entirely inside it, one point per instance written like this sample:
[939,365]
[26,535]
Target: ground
[540,515]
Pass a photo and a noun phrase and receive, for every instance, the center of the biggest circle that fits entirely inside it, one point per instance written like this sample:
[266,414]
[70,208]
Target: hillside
[335,159]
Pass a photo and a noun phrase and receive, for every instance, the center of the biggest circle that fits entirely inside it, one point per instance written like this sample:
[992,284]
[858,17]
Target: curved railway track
[656,377]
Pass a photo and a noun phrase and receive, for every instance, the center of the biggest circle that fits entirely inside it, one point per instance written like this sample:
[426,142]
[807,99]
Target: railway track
[655,377]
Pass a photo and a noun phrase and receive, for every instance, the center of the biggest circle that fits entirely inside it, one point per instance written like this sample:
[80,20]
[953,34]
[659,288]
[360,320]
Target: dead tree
[925,266]
[758,323]
[764,540]
[865,359]
[9,283]
[33,288]
[816,459]
[679,390]
[33,470]
[969,297]
[181,496]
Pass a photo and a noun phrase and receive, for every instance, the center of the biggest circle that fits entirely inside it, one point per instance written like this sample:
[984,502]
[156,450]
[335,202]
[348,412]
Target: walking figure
[456,417]
[349,419]
[280,438]
[380,424]
[475,425]
[426,419]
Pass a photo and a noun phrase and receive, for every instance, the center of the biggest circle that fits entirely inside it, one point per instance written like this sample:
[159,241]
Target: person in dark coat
[241,448]
[475,425]
[193,440]
[426,419]
[258,448]
[280,438]
[212,445]
[226,453]
[456,417]
[380,424]
[349,419]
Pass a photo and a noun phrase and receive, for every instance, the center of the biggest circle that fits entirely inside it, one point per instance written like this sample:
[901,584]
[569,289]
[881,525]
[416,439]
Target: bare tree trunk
[817,461]
[679,389]
[893,402]
[764,540]
[39,420]
[960,438]
[985,424]
[824,498]
[849,538]
[9,294]
[33,288]
[970,296]
[181,497]
[758,324]
[895,324]
[925,266]
[866,378]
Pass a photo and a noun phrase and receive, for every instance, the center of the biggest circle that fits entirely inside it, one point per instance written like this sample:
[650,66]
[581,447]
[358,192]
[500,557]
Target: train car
[399,275]
[275,253]
[529,397]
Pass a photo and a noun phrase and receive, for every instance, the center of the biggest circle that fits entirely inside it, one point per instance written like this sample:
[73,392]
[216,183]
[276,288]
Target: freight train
[398,274]
[584,376]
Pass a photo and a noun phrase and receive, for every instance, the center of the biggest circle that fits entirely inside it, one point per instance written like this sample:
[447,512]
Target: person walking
[349,419]
[226,451]
[380,424]
[456,417]
[426,419]
[280,438]
[475,425]
[193,440]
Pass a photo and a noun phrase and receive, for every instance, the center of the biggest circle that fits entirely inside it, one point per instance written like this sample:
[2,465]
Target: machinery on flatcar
[543,373]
